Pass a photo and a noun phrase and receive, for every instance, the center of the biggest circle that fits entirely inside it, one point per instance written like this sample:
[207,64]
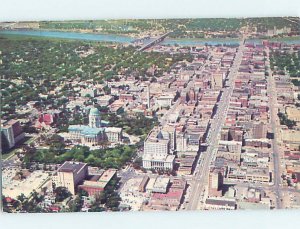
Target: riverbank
[287,40]
[47,34]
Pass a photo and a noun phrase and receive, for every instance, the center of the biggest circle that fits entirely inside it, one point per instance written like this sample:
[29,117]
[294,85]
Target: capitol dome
[94,111]
[94,118]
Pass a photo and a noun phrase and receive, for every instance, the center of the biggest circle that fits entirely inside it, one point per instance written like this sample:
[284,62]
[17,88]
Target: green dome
[94,111]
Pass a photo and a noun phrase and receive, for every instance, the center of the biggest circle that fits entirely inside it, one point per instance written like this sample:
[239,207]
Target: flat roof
[107,175]
[151,183]
[70,166]
[161,182]
[253,206]
[220,202]
[85,130]
[96,184]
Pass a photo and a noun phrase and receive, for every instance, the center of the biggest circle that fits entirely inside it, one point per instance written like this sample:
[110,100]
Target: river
[126,39]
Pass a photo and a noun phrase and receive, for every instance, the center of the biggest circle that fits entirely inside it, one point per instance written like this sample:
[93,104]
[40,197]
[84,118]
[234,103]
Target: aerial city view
[150,115]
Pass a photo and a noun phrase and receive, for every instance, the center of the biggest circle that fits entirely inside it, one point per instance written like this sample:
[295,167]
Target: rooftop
[85,130]
[71,167]
[221,202]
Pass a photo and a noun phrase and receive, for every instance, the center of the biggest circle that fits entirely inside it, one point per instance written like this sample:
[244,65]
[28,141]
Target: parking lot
[13,187]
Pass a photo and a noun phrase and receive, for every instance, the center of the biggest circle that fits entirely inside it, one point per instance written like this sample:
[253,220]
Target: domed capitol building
[94,134]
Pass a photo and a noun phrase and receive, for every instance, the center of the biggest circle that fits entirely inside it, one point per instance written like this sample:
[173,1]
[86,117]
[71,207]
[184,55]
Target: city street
[202,169]
[274,123]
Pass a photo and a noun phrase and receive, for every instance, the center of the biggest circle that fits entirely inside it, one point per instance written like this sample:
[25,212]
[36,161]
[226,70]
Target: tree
[21,197]
[97,205]
[113,201]
[96,208]
[57,144]
[104,144]
[28,150]
[75,205]
[82,193]
[138,163]
[285,121]
[35,196]
[61,193]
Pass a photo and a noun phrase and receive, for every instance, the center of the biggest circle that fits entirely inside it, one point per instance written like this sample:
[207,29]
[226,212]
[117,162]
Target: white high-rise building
[157,151]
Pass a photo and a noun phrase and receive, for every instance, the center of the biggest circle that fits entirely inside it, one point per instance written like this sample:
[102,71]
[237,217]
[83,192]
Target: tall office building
[148,96]
[217,80]
[192,94]
[70,174]
[259,130]
[157,151]
[215,183]
[12,133]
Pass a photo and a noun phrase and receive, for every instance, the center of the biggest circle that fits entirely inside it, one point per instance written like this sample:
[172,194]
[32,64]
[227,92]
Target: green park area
[55,151]
[285,63]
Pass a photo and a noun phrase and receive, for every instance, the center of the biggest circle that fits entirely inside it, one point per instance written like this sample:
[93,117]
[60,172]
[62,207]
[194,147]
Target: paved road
[274,123]
[202,169]
[12,162]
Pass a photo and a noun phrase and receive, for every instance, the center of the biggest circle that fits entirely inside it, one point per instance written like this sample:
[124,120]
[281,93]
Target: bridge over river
[154,42]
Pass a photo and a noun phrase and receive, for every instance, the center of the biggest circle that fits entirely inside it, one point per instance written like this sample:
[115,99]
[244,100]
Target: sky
[12,10]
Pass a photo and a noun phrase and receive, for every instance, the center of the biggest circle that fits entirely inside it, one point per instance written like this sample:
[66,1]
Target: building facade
[157,151]
[12,133]
[69,175]
[215,183]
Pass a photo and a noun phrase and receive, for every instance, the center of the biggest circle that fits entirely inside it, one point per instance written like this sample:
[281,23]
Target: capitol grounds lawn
[103,158]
